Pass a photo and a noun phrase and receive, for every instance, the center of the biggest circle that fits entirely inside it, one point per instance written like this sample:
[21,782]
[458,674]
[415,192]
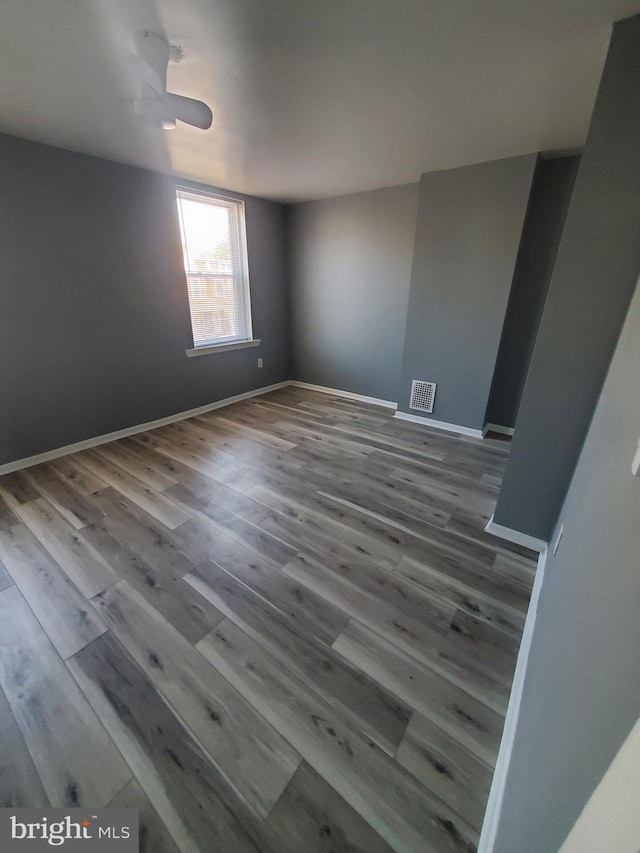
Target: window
[215,263]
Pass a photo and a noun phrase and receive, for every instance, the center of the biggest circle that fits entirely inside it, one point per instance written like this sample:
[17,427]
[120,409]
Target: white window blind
[215,262]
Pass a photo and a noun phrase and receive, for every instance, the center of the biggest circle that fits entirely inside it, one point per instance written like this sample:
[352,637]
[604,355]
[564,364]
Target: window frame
[240,279]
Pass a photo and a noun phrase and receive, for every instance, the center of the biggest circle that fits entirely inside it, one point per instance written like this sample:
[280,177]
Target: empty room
[320,426]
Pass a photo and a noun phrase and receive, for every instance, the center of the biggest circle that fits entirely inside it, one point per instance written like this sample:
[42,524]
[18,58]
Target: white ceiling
[311,99]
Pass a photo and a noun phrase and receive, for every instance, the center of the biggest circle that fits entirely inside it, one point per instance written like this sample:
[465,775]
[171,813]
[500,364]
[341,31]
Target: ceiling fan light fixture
[156,106]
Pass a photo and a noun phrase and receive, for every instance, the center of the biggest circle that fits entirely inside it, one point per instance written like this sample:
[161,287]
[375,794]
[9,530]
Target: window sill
[214,348]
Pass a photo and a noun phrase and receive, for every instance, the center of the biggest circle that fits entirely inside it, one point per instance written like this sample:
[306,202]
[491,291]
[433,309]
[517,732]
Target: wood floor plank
[201,811]
[196,478]
[472,528]
[249,415]
[213,500]
[308,611]
[248,534]
[257,760]
[384,553]
[391,800]
[242,480]
[156,504]
[63,612]
[191,436]
[458,777]
[447,483]
[516,568]
[65,739]
[5,578]
[335,412]
[487,452]
[409,600]
[154,577]
[360,489]
[319,454]
[153,835]
[483,646]
[471,469]
[289,412]
[84,565]
[131,526]
[72,473]
[424,447]
[386,520]
[367,472]
[7,517]
[462,575]
[459,497]
[251,535]
[384,412]
[491,480]
[312,817]
[226,423]
[20,785]
[242,448]
[313,538]
[325,440]
[381,716]
[381,503]
[67,501]
[180,450]
[119,455]
[416,637]
[366,521]
[467,719]
[489,608]
[384,541]
[15,489]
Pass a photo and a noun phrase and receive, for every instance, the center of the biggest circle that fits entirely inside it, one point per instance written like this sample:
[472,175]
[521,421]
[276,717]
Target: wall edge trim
[515,536]
[349,395]
[503,430]
[493,812]
[443,425]
[85,444]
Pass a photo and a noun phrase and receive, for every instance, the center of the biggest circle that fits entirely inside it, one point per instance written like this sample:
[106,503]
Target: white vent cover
[422,394]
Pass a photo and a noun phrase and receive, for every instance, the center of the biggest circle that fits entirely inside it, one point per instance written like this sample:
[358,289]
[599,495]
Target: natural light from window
[214,252]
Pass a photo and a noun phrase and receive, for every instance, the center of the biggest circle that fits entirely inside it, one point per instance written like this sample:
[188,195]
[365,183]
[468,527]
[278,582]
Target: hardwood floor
[279,626]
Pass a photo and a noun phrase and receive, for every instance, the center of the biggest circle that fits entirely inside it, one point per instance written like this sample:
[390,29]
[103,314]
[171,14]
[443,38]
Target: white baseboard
[349,395]
[28,461]
[503,430]
[499,783]
[431,422]
[515,536]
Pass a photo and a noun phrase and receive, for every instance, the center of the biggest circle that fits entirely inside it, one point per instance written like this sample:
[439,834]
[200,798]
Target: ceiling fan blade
[152,109]
[188,110]
[154,51]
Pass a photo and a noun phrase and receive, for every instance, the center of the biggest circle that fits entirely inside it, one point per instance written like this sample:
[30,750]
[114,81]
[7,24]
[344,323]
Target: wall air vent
[422,395]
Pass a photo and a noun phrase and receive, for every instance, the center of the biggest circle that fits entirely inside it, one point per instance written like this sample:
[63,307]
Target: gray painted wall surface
[548,205]
[94,317]
[351,266]
[469,227]
[582,691]
[595,273]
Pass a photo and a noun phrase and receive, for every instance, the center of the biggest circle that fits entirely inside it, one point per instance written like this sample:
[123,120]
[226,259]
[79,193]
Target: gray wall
[469,227]
[548,205]
[582,690]
[595,273]
[351,265]
[94,317]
